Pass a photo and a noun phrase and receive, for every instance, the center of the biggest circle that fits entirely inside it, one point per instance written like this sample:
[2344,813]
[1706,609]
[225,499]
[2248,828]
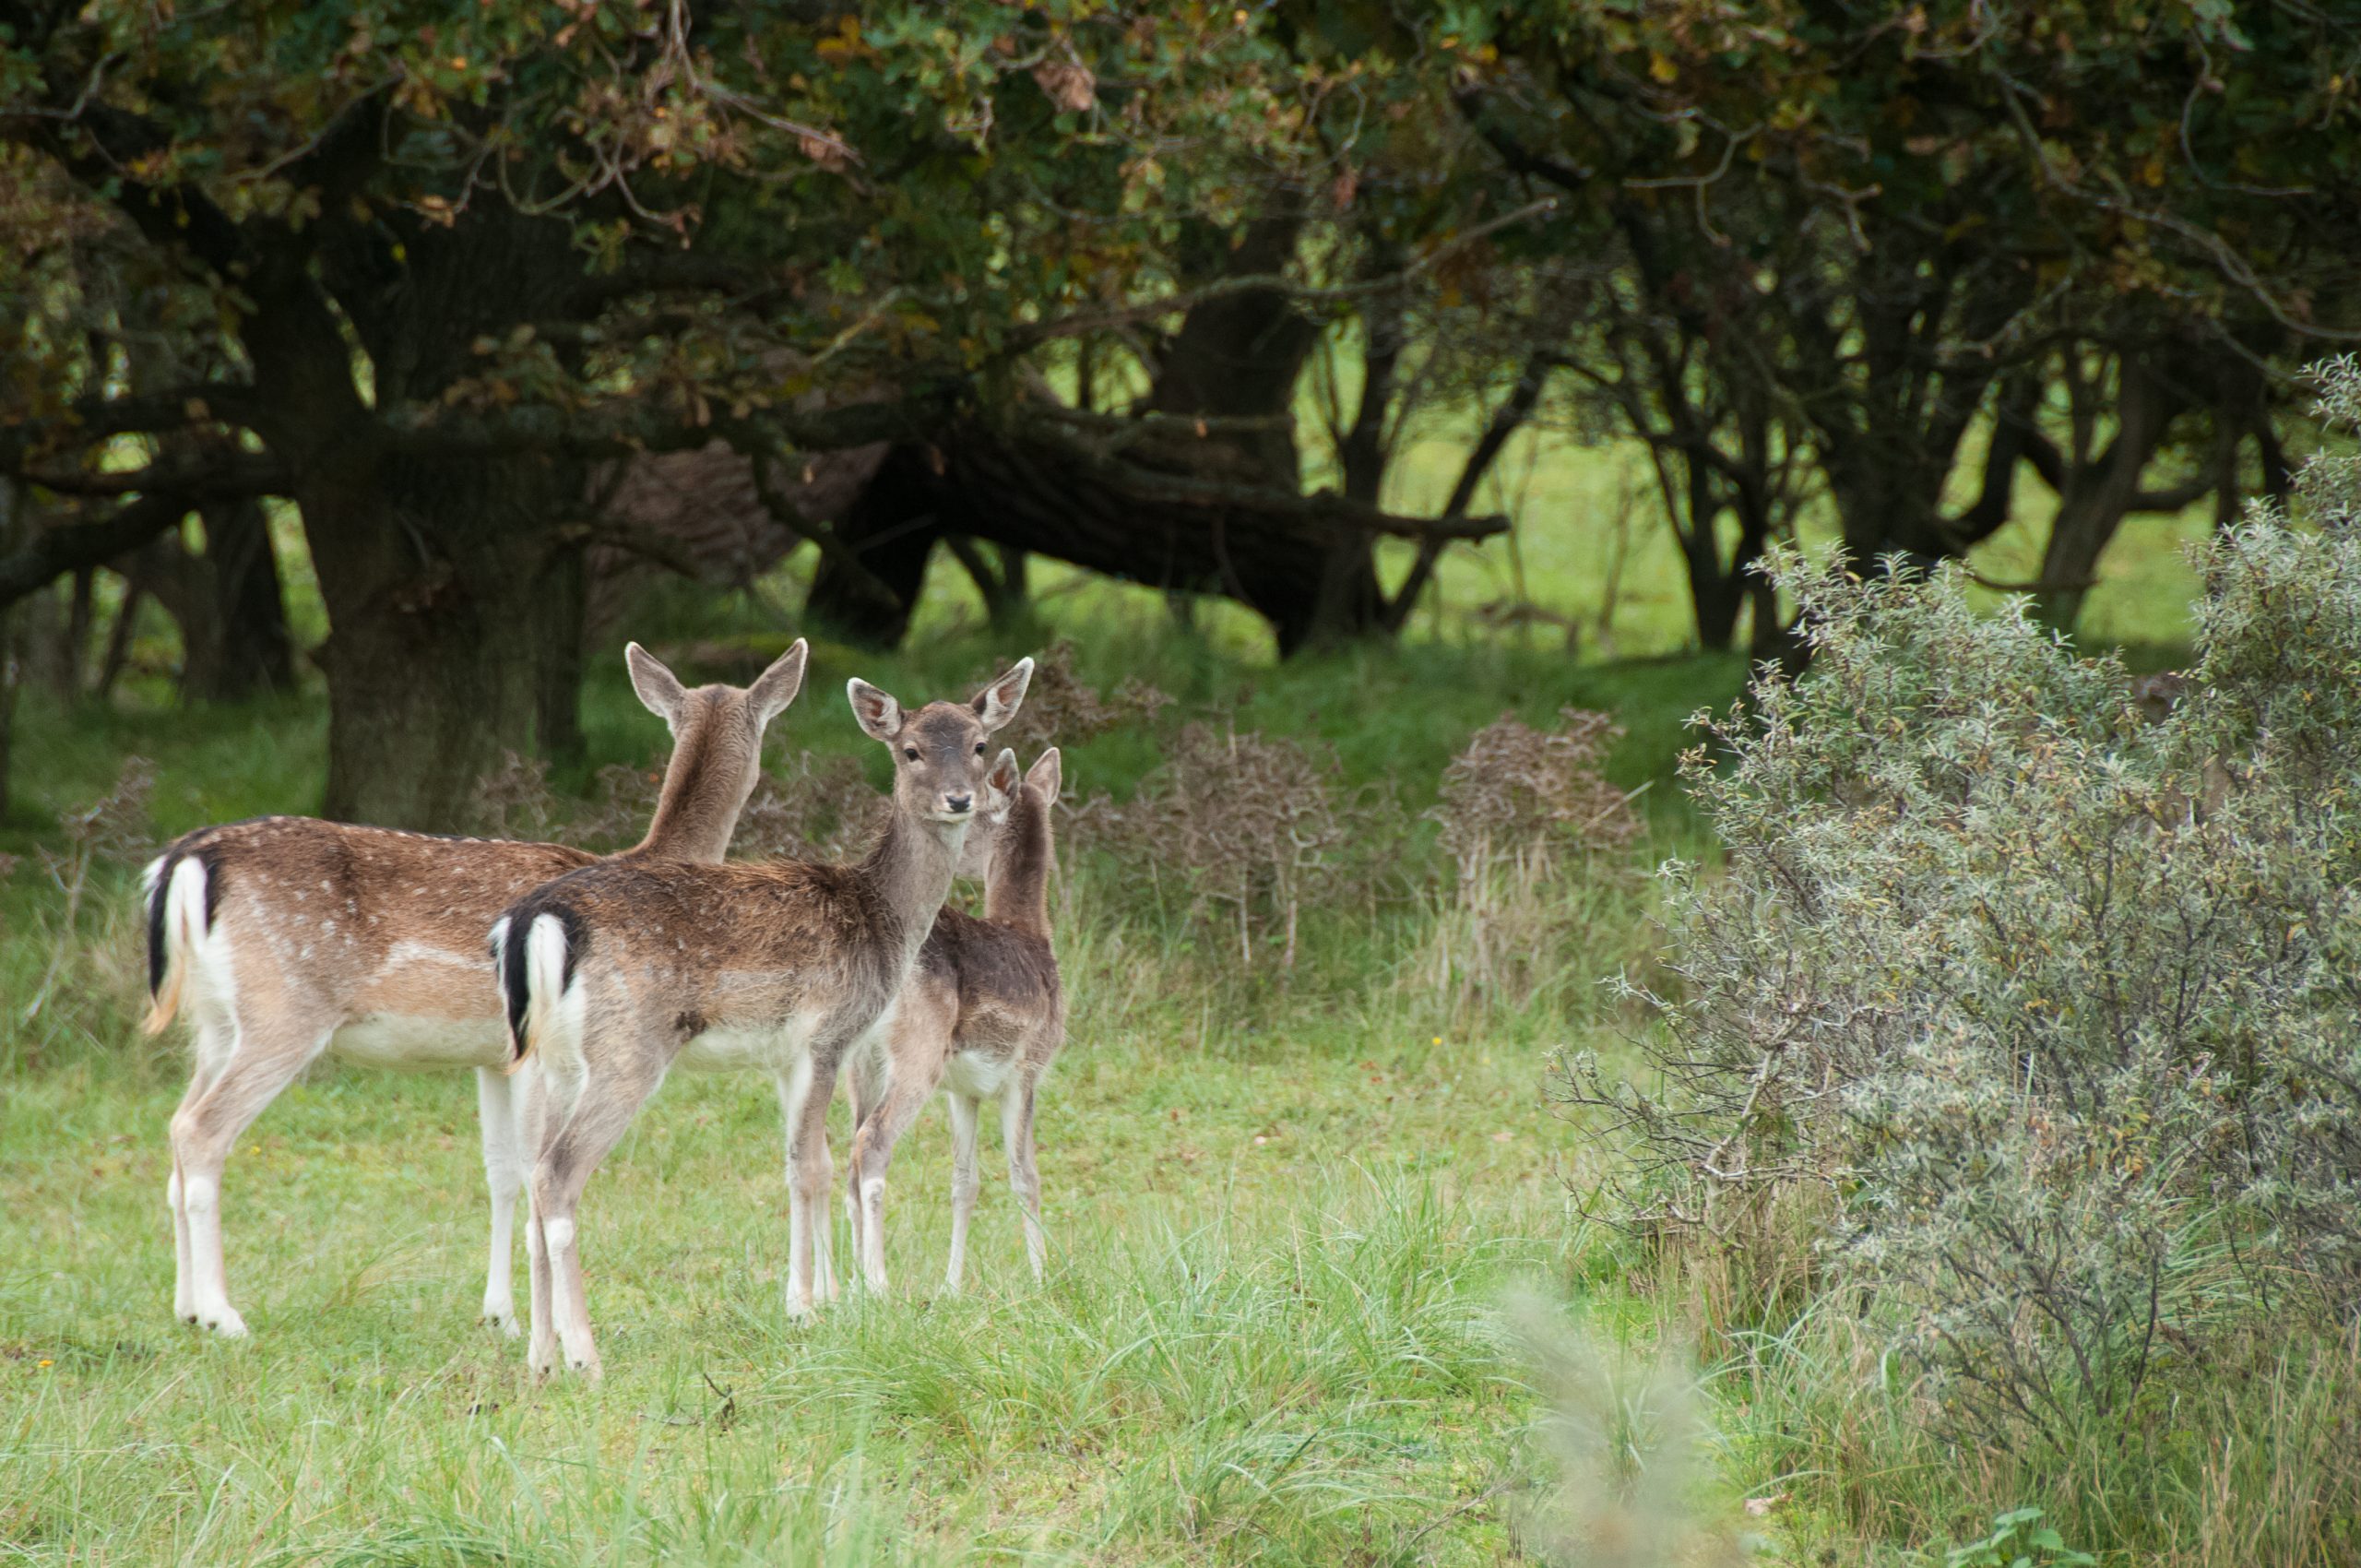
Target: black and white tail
[181,899]
[534,973]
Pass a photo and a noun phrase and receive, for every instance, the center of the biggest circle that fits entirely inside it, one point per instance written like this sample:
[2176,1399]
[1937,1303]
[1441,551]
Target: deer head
[941,751]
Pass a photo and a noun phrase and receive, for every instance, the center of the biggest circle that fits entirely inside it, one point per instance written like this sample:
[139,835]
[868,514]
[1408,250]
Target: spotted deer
[982,1015]
[615,974]
[286,937]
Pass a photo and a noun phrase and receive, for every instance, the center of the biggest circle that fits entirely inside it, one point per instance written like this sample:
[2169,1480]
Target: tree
[1877,222]
[450,257]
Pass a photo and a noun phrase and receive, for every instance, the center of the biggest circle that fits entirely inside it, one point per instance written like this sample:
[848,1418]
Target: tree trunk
[253,650]
[11,535]
[226,602]
[2099,494]
[564,603]
[74,641]
[1241,356]
[999,578]
[7,706]
[456,619]
[438,584]
[1715,597]
[1012,605]
[893,529]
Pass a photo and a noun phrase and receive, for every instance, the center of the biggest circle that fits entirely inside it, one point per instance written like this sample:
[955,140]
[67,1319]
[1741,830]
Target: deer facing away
[983,1013]
[283,938]
[615,974]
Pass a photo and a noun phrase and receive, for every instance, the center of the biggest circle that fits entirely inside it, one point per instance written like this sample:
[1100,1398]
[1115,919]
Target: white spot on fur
[557,1234]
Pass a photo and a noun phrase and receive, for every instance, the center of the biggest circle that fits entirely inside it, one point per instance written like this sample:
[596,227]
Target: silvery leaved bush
[2039,1017]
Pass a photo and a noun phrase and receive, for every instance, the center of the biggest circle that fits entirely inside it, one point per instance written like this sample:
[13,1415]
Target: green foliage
[2019,1539]
[2035,1014]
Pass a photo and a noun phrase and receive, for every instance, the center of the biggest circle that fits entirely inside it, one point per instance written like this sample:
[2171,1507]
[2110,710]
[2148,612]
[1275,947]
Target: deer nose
[956,803]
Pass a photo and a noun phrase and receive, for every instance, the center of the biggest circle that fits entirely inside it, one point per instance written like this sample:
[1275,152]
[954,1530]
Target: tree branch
[789,516]
[95,418]
[1024,339]
[1519,159]
[53,552]
[236,474]
[627,425]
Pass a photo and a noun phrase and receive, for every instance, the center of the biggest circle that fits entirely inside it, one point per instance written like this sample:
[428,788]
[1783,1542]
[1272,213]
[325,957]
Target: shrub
[1252,828]
[66,982]
[1060,710]
[2041,1017]
[1524,815]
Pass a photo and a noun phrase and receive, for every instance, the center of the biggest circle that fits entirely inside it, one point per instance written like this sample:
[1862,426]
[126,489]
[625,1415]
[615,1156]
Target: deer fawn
[614,974]
[982,1010]
[287,936]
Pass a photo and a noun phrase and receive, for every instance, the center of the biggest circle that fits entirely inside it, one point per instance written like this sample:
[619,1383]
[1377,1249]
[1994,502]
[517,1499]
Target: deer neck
[697,810]
[1017,884]
[909,871]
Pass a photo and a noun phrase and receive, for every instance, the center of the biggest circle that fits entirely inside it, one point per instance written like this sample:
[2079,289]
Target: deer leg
[864,1073]
[1023,1178]
[262,1061]
[872,1151]
[503,1170]
[810,1174]
[575,1138]
[531,1098]
[964,1183]
[212,1040]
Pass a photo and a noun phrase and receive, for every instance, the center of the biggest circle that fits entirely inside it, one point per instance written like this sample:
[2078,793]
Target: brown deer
[615,974]
[983,1012]
[286,937]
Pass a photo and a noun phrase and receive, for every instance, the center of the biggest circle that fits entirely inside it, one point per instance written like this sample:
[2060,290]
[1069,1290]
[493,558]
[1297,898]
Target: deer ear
[1046,775]
[778,685]
[657,687]
[1002,780]
[998,702]
[879,714]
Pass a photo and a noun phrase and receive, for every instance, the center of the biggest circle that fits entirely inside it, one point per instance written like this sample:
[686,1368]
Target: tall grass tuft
[1530,828]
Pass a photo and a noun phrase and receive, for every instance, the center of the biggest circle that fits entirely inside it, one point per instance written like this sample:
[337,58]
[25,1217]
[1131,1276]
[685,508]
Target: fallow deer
[615,974]
[981,1014]
[284,937]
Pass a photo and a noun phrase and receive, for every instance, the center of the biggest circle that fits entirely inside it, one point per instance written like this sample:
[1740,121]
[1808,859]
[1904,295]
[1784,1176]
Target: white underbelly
[976,1075]
[772,1049]
[392,1040]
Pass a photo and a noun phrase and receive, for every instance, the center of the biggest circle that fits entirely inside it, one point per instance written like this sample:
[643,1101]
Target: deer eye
[911,753]
[979,748]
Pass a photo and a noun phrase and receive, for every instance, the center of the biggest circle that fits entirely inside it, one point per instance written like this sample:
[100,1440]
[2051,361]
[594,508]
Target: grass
[1284,1218]
[1247,1339]
[1292,1219]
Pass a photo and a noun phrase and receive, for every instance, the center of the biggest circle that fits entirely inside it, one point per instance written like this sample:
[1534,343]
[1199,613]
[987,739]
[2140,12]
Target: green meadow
[1325,1282]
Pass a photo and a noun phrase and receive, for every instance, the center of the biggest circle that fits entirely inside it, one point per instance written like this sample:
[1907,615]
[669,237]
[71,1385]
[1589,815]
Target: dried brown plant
[1252,825]
[1520,810]
[1060,710]
[821,808]
[113,829]
[1514,787]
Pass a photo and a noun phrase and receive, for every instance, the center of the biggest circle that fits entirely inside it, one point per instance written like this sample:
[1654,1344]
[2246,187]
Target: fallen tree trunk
[1158,520]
